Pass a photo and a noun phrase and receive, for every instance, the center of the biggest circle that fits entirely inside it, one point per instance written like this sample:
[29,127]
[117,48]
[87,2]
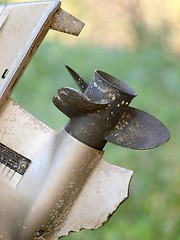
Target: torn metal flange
[102,113]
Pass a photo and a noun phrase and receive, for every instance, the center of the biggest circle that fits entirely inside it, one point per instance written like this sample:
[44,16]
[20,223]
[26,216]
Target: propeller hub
[102,113]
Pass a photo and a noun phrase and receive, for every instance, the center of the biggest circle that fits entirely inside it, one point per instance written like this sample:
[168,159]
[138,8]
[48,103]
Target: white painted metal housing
[67,185]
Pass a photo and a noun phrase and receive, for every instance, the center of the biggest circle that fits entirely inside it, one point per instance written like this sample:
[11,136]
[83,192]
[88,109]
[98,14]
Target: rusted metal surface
[101,114]
[65,22]
[71,176]
[46,199]
[52,183]
[103,192]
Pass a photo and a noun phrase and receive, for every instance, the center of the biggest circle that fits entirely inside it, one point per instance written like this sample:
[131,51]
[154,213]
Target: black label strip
[13,160]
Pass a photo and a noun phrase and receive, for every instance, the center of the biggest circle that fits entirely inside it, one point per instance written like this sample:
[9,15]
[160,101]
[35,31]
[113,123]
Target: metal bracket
[23,27]
[65,185]
[52,183]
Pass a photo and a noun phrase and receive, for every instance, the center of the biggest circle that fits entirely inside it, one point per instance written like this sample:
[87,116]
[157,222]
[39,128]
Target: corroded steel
[65,188]
[45,198]
[102,113]
[53,183]
[65,22]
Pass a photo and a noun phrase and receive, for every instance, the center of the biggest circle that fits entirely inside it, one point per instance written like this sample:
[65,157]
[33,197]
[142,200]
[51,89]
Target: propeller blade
[137,129]
[82,84]
[74,103]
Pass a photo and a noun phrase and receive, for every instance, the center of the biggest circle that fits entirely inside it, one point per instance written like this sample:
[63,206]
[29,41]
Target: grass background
[138,42]
[152,210]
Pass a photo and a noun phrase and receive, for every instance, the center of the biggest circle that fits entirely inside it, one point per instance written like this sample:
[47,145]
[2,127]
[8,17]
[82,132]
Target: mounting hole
[39,233]
[5,73]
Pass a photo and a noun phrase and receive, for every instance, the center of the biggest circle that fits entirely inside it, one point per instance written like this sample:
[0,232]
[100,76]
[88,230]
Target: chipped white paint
[64,174]
[23,27]
[19,38]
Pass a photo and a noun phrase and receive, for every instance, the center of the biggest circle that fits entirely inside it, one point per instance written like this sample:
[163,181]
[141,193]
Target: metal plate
[13,160]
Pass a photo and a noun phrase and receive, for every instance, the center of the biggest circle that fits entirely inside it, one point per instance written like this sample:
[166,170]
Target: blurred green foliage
[153,209]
